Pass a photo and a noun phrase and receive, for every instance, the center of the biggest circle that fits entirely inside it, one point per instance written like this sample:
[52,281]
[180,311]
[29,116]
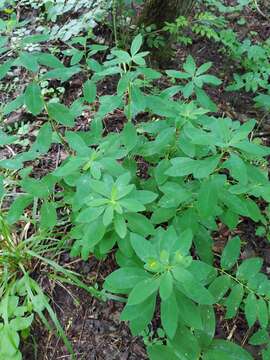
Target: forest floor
[93,326]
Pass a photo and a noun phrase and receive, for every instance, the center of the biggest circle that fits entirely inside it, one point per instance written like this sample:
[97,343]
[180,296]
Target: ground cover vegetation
[134,177]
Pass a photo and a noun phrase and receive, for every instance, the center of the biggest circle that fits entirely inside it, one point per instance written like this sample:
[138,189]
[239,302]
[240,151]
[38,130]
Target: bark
[160,11]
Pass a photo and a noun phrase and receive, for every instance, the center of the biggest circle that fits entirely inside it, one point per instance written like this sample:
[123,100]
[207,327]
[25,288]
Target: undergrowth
[203,170]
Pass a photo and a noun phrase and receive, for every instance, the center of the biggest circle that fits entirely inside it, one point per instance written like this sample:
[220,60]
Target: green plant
[196,78]
[200,171]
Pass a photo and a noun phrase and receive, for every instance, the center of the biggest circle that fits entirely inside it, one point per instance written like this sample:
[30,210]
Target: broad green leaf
[20,323]
[94,233]
[144,315]
[189,312]
[143,290]
[237,168]
[144,249]
[233,301]
[262,313]
[204,100]
[231,253]
[120,225]
[17,207]
[250,309]
[69,167]
[33,99]
[206,334]
[219,287]
[62,74]
[89,91]
[166,286]
[206,167]
[49,60]
[136,44]
[225,350]
[43,140]
[169,315]
[161,352]
[61,114]
[48,215]
[124,278]
[190,65]
[207,198]
[28,61]
[191,287]
[259,338]
[249,268]
[185,344]
[90,214]
[139,224]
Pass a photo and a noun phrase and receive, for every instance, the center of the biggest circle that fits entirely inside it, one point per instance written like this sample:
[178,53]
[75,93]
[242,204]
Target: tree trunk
[160,11]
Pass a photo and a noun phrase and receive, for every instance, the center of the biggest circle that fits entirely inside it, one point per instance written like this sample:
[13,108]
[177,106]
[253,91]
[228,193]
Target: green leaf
[225,350]
[207,198]
[143,290]
[139,224]
[17,207]
[143,248]
[14,105]
[166,286]
[250,307]
[129,135]
[191,287]
[262,313]
[206,335]
[204,100]
[108,215]
[63,74]
[120,226]
[259,338]
[94,233]
[219,287]
[181,166]
[136,44]
[33,99]
[61,114]
[20,323]
[49,60]
[249,268]
[233,301]
[237,168]
[28,61]
[189,312]
[206,167]
[185,344]
[190,65]
[124,278]
[43,140]
[231,253]
[48,215]
[161,352]
[169,315]
[90,214]
[70,167]
[9,341]
[144,315]
[132,205]
[89,91]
